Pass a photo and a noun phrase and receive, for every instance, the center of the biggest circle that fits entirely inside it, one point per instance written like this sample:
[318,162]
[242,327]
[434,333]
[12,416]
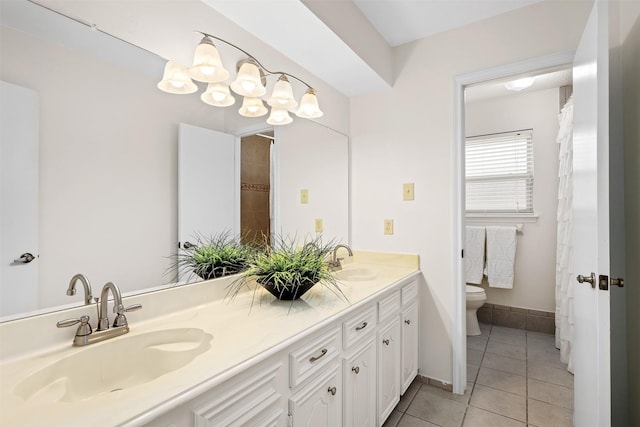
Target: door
[409,363]
[388,368]
[319,404]
[19,147]
[207,188]
[359,374]
[591,357]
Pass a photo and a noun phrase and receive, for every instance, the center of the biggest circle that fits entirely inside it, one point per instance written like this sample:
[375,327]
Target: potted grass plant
[287,270]
[215,256]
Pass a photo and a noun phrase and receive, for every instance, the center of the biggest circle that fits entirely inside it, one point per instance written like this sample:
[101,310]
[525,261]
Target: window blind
[499,173]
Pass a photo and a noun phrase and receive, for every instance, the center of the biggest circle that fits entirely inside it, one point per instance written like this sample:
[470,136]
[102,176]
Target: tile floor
[515,379]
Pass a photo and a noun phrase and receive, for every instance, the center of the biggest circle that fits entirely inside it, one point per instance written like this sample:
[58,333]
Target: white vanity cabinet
[349,372]
[389,346]
[409,335]
[359,371]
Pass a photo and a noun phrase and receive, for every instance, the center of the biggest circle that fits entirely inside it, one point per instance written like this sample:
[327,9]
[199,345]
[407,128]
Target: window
[499,173]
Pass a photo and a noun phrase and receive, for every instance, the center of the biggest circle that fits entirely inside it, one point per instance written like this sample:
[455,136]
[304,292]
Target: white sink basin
[356,274]
[114,365]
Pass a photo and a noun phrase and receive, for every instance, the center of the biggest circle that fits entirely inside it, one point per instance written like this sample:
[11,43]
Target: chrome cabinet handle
[386,341]
[322,353]
[188,245]
[356,369]
[25,258]
[408,321]
[361,327]
[587,279]
[332,390]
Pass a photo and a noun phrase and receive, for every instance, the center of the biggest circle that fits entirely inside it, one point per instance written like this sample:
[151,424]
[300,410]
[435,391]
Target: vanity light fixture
[520,84]
[250,83]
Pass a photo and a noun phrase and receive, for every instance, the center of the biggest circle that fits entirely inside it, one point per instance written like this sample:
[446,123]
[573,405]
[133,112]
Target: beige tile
[549,356]
[541,338]
[460,398]
[499,402]
[551,393]
[506,364]
[542,414]
[408,396]
[485,327]
[436,409]
[393,419]
[472,372]
[505,381]
[506,330]
[478,343]
[477,417]
[511,319]
[551,374]
[409,421]
[541,323]
[508,338]
[474,357]
[508,350]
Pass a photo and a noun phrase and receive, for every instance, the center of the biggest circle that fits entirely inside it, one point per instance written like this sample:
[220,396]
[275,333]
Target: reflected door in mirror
[19,143]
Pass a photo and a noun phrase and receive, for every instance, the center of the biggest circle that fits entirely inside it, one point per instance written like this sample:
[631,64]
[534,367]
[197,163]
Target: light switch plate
[407,191]
[304,196]
[388,226]
[319,226]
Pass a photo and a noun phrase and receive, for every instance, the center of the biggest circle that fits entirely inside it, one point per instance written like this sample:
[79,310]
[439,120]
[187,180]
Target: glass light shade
[218,95]
[519,84]
[279,116]
[207,65]
[282,95]
[309,108]
[176,79]
[252,107]
[248,82]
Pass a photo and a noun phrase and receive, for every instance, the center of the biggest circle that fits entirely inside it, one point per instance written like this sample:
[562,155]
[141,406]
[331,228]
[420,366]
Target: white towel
[501,256]
[474,254]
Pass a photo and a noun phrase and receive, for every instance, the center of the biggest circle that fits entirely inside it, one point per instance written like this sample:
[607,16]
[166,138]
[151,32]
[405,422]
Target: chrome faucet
[103,322]
[335,261]
[71,290]
[85,335]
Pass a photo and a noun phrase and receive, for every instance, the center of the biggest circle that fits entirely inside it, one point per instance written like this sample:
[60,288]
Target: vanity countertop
[245,331]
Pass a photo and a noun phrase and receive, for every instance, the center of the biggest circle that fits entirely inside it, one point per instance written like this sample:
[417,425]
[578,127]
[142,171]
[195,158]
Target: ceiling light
[250,83]
[176,79]
[518,85]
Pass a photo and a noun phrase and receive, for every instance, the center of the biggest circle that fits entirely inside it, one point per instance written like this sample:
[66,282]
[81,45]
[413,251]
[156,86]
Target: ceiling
[345,43]
[403,21]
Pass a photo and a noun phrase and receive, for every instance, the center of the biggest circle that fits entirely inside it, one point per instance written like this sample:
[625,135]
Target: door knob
[188,245]
[591,279]
[25,258]
[617,282]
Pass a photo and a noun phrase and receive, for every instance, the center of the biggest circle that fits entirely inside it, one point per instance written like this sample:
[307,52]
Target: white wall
[406,135]
[534,282]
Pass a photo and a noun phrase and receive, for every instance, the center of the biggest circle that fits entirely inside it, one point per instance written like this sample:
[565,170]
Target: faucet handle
[84,328]
[121,319]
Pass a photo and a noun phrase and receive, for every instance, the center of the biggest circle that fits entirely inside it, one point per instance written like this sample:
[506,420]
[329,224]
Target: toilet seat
[475,293]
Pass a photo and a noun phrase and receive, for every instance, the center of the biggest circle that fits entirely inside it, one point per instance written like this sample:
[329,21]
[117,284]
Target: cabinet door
[359,379]
[409,359]
[388,368]
[319,403]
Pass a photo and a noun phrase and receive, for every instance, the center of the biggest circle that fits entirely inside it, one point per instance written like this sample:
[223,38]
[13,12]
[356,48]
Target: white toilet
[475,299]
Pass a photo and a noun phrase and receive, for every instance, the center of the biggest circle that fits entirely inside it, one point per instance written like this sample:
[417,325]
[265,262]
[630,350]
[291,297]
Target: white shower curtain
[564,252]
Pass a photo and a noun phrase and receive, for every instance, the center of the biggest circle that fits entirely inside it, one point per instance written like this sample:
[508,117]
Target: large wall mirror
[107,203]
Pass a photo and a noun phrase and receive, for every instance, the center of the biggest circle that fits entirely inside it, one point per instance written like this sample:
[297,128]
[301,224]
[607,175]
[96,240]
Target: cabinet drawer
[310,357]
[389,306]
[359,326]
[409,293]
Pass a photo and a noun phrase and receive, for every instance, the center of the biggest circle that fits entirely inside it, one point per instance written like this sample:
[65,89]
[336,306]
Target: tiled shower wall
[519,318]
[254,188]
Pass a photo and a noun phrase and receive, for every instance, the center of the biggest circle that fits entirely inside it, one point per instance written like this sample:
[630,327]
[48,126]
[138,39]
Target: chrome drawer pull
[322,353]
[356,369]
[386,342]
[332,390]
[361,327]
[408,322]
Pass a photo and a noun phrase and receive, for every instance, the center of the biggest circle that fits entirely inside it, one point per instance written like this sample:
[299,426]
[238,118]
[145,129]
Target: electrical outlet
[407,191]
[319,227]
[388,226]
[304,196]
